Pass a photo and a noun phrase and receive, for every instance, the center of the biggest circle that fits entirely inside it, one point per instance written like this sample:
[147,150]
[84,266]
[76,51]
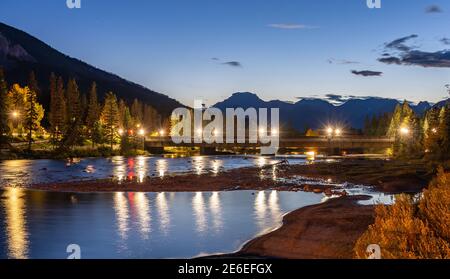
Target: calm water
[25,172]
[36,224]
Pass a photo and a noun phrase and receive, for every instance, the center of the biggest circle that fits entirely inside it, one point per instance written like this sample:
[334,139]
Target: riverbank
[386,175]
[324,231]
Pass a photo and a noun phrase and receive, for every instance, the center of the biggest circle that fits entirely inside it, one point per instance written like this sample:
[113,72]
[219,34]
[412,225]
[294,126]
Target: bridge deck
[300,142]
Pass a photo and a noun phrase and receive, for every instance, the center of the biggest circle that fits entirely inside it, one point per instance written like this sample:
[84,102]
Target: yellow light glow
[274,132]
[141,132]
[404,131]
[15,114]
[330,131]
[161,133]
[120,131]
[338,132]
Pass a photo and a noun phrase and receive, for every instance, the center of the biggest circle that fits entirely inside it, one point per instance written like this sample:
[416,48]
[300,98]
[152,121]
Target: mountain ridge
[21,53]
[316,113]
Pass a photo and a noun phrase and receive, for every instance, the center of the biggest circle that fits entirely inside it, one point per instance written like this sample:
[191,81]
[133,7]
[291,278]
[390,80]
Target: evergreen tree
[405,129]
[33,115]
[33,85]
[444,131]
[93,111]
[73,106]
[73,115]
[137,111]
[4,109]
[110,117]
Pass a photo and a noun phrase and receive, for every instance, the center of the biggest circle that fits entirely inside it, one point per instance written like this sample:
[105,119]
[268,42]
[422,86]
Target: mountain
[20,53]
[317,113]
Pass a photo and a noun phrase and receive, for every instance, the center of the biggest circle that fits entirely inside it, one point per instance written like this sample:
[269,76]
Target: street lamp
[161,132]
[141,132]
[337,132]
[330,131]
[274,132]
[15,114]
[404,131]
[120,132]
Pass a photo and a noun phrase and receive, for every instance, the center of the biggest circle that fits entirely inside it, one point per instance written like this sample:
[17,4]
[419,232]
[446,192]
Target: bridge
[335,145]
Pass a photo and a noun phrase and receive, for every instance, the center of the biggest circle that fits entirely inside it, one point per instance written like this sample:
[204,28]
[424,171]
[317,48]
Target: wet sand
[324,231]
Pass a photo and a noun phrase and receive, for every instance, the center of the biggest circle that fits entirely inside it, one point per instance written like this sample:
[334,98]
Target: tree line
[425,136]
[74,118]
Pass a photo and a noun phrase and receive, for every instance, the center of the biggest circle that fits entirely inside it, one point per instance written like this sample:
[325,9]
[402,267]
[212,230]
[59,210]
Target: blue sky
[284,49]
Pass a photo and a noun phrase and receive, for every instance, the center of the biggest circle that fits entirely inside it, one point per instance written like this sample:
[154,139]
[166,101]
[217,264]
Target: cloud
[291,26]
[399,44]
[215,59]
[433,9]
[342,61]
[367,73]
[445,41]
[409,56]
[390,60]
[233,64]
[438,59]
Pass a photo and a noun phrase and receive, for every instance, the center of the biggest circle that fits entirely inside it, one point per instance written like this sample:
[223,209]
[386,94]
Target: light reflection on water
[15,219]
[25,172]
[138,225]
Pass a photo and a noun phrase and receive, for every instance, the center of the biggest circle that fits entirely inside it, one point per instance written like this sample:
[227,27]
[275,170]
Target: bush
[413,228]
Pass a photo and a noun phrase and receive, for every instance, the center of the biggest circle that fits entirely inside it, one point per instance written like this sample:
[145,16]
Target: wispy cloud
[367,73]
[399,44]
[291,26]
[433,9]
[342,61]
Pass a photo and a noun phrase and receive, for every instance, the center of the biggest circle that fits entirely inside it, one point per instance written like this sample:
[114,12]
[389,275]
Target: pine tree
[4,109]
[33,85]
[444,131]
[60,114]
[33,115]
[53,105]
[110,117]
[73,102]
[93,111]
[137,111]
[405,129]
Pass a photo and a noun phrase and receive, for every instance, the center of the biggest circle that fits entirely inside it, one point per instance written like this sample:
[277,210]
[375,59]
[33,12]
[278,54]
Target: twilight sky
[278,49]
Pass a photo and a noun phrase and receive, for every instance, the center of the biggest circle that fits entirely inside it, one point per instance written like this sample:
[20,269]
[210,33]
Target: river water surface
[37,224]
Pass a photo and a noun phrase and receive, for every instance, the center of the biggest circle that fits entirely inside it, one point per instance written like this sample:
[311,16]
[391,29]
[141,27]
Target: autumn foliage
[413,227]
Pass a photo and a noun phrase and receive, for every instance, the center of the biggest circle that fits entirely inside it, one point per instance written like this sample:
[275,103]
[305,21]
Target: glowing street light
[141,132]
[161,133]
[274,132]
[330,131]
[337,132]
[120,132]
[404,131]
[434,131]
[15,114]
